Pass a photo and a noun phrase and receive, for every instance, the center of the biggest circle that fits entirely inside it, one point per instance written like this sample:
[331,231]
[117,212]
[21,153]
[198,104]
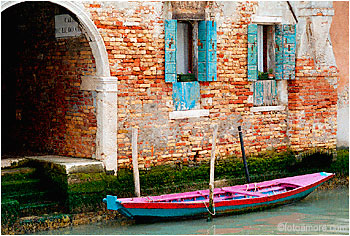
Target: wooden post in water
[243,154]
[211,180]
[135,163]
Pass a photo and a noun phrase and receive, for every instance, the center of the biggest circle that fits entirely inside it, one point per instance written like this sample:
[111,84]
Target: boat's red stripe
[175,205]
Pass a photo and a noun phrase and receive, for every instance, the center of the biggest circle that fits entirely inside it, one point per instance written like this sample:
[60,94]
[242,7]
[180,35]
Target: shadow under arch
[102,83]
[89,28]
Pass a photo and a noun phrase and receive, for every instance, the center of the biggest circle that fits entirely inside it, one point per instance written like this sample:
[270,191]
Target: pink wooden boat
[239,198]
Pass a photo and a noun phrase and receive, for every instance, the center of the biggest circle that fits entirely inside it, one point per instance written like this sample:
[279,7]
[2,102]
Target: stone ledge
[9,162]
[188,114]
[69,165]
[99,83]
[267,108]
[267,19]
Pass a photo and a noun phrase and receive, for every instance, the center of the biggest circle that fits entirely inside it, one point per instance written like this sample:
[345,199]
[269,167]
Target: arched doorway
[52,98]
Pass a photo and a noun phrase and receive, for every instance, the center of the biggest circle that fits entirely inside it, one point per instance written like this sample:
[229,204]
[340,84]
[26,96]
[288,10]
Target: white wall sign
[66,26]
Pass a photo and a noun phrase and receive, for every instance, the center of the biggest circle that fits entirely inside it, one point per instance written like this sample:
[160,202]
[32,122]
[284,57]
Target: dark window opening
[266,51]
[185,52]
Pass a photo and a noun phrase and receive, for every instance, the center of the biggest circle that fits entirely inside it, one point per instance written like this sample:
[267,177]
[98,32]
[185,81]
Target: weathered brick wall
[53,115]
[133,33]
[312,98]
[134,38]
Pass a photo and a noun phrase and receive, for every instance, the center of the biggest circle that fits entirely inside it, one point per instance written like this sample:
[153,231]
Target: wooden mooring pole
[212,170]
[135,163]
[243,154]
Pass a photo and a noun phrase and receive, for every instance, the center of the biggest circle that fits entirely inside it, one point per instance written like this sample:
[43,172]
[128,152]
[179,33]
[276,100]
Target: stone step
[44,222]
[67,165]
[21,173]
[20,186]
[29,197]
[40,208]
[12,162]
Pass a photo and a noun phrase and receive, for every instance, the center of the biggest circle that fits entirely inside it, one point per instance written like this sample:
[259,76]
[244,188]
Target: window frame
[207,53]
[281,83]
[266,47]
[189,49]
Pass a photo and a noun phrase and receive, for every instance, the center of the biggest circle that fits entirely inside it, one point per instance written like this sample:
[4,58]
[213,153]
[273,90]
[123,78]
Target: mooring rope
[213,214]
[149,199]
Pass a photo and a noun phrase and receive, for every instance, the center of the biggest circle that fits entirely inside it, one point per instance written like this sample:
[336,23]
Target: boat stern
[115,205]
[112,202]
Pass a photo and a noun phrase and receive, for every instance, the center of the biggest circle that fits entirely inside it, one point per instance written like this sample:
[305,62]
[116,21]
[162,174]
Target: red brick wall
[312,99]
[53,115]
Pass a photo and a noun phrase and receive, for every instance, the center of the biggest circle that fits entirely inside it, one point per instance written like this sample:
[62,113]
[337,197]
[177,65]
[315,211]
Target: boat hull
[170,210]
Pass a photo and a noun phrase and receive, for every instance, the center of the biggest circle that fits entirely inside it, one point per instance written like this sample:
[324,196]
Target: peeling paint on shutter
[202,51]
[265,93]
[289,45]
[252,52]
[278,52]
[258,93]
[285,38]
[170,50]
[207,47]
[186,95]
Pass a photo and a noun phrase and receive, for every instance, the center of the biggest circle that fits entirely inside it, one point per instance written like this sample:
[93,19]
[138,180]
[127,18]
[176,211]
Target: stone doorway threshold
[66,165]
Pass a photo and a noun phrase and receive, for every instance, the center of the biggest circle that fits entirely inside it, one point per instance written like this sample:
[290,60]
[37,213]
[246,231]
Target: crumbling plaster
[314,21]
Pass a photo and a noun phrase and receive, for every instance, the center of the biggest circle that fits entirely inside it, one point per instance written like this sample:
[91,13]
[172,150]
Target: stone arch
[102,83]
[96,42]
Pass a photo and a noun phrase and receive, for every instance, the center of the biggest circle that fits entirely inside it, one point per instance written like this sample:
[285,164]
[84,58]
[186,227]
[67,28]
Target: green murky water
[322,212]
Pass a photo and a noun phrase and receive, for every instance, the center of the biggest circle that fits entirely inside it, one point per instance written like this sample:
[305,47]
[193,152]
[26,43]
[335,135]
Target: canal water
[322,212]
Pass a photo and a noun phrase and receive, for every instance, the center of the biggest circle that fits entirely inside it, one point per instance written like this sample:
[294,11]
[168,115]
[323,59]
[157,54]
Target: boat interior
[226,193]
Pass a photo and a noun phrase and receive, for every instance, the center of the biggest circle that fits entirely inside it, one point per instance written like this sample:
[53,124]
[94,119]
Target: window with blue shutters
[185,65]
[271,57]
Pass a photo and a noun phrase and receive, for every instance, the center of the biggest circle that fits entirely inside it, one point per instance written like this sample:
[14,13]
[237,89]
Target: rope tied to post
[211,213]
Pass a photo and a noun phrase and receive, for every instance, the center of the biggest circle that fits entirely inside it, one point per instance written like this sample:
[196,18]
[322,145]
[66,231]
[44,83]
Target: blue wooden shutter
[252,51]
[289,45]
[211,51]
[285,38]
[170,50]
[278,52]
[202,51]
[258,93]
[265,93]
[207,47]
[186,95]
